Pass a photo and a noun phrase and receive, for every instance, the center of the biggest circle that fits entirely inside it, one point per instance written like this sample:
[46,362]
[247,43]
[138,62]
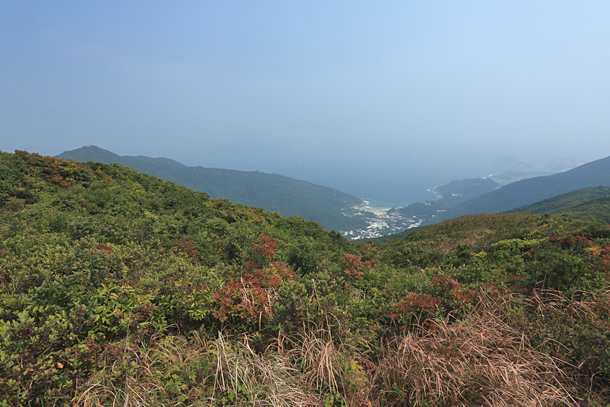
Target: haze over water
[384,177]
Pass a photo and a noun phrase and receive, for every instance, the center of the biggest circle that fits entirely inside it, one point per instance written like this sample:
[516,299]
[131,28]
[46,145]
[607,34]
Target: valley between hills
[350,215]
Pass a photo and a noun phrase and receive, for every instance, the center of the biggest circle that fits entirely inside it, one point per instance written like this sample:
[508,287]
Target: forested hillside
[592,203]
[563,202]
[118,288]
[273,192]
[597,210]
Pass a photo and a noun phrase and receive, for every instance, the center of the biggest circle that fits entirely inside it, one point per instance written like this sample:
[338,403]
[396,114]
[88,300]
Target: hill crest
[273,192]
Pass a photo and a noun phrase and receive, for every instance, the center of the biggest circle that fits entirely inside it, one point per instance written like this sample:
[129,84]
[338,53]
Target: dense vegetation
[592,203]
[563,202]
[597,210]
[273,192]
[117,288]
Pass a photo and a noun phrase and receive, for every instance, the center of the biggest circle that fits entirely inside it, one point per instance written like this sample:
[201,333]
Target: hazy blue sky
[344,93]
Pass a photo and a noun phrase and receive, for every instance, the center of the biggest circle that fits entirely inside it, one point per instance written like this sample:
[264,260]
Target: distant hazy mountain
[528,191]
[273,192]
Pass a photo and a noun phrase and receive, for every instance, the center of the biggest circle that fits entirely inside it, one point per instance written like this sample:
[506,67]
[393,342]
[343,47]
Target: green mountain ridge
[529,191]
[595,210]
[591,204]
[273,192]
[563,202]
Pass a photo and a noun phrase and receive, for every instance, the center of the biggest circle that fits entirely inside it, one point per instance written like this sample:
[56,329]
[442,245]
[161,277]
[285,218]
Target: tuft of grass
[331,368]
[243,377]
[167,371]
[173,371]
[319,359]
[575,330]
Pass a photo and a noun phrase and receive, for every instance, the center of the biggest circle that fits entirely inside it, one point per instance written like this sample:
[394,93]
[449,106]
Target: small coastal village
[379,222]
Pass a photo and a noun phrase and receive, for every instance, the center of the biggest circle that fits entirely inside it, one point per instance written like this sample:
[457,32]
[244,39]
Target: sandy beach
[377,211]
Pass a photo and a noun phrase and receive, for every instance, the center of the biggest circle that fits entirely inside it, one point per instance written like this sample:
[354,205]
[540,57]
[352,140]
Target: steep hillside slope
[564,202]
[596,210]
[528,191]
[276,193]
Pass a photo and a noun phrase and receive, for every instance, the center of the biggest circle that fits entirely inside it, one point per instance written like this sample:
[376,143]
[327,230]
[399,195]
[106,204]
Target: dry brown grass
[575,330]
[330,367]
[320,359]
[236,376]
[479,361]
[258,380]
[143,369]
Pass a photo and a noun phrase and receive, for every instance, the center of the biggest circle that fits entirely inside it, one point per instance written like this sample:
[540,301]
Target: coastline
[378,212]
[366,206]
[381,207]
[378,221]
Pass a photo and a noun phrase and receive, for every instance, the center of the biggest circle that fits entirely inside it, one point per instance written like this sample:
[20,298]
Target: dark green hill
[276,193]
[564,202]
[596,210]
[529,191]
[46,194]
